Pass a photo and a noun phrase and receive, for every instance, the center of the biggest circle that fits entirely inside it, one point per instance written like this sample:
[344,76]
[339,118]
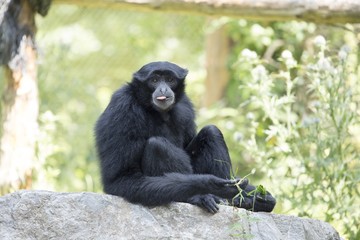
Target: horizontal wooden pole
[319,11]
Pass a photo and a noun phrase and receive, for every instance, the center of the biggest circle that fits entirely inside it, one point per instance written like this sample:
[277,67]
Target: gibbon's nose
[163,90]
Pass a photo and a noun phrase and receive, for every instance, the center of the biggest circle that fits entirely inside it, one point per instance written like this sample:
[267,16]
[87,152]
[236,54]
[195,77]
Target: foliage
[301,127]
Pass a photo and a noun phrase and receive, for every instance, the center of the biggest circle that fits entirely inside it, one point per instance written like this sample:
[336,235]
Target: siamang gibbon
[150,152]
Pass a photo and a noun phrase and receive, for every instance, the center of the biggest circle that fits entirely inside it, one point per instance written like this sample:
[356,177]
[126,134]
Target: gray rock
[50,215]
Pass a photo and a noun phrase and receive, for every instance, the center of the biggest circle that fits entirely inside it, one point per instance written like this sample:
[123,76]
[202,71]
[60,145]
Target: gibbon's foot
[254,200]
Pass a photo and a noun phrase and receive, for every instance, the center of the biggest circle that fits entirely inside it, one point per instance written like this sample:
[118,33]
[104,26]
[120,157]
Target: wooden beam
[319,11]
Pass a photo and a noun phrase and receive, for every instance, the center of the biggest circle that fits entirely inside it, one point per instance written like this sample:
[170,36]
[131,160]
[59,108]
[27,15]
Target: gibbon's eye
[154,80]
[169,80]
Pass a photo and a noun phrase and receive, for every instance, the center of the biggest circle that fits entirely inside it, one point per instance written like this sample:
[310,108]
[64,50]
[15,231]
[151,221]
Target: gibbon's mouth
[163,102]
[163,98]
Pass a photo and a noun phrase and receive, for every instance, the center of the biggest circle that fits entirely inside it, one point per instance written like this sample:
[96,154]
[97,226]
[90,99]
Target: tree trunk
[19,105]
[217,78]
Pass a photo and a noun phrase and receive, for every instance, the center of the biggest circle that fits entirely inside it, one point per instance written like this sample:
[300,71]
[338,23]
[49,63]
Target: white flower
[344,51]
[250,116]
[286,54]
[238,136]
[259,73]
[324,64]
[320,41]
[289,60]
[246,53]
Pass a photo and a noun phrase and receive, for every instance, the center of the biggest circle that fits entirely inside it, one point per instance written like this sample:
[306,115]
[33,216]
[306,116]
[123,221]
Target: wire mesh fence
[84,55]
[110,44]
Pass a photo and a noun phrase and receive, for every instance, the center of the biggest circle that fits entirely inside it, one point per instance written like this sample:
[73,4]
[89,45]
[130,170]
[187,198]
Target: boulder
[50,215]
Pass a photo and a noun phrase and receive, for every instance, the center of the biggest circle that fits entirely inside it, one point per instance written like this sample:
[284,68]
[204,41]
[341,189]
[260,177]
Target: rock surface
[50,215]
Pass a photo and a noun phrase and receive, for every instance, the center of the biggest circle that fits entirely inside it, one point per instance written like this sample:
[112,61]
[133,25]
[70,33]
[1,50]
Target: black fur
[149,150]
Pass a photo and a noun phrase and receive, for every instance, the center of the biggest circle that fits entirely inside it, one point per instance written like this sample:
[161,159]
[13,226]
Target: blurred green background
[290,114]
